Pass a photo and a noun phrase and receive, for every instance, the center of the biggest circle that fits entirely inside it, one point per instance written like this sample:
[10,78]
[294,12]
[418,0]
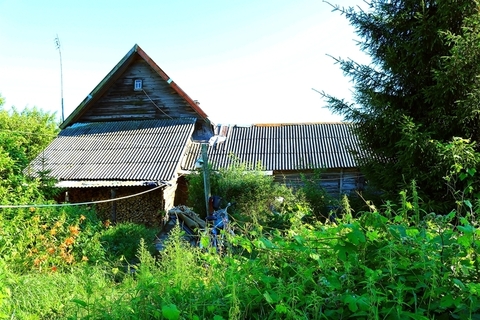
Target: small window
[137,85]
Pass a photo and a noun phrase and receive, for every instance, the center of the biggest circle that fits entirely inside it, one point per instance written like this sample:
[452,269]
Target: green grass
[384,264]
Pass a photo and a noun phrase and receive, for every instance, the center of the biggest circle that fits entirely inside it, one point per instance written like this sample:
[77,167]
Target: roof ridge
[297,123]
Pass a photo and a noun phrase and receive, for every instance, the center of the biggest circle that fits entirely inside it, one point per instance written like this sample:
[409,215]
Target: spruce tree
[419,94]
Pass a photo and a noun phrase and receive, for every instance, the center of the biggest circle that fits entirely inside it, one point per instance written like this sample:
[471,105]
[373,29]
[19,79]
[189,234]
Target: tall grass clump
[122,241]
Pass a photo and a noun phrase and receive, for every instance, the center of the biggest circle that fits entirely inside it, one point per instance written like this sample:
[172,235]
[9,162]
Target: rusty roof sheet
[146,150]
[282,147]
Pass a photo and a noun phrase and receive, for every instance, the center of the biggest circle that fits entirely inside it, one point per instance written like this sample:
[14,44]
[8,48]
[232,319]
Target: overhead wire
[156,104]
[16,206]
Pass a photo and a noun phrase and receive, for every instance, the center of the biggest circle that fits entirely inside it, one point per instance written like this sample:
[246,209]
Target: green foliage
[320,201]
[391,262]
[122,241]
[49,239]
[23,135]
[420,91]
[258,199]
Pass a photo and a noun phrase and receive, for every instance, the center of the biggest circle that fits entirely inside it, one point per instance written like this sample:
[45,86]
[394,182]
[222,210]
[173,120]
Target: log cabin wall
[147,209]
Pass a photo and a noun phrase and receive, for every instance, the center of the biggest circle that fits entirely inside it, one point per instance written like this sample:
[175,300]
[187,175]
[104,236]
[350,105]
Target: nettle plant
[461,180]
[391,262]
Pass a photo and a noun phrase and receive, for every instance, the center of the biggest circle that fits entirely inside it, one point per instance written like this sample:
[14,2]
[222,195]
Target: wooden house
[128,136]
[137,134]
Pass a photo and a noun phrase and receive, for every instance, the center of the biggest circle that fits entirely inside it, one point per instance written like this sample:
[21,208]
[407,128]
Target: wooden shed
[288,151]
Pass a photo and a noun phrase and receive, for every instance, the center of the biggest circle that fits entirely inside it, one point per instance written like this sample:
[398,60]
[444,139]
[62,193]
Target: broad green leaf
[468,229]
[352,302]
[268,279]
[333,282]
[356,236]
[299,239]
[459,283]
[315,256]
[474,288]
[471,171]
[397,231]
[267,243]
[280,308]
[465,241]
[447,301]
[344,249]
[170,312]
[271,297]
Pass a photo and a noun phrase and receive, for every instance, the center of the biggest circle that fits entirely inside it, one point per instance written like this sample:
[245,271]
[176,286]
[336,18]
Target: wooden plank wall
[336,182]
[121,102]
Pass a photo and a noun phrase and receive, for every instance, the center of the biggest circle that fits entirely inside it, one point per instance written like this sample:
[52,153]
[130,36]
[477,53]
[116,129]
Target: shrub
[123,240]
[258,199]
[320,201]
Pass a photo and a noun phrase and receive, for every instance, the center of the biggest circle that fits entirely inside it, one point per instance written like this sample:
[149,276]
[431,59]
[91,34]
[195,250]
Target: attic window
[137,85]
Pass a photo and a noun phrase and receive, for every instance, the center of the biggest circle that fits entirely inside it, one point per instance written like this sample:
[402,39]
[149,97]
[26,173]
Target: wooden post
[341,184]
[206,175]
[113,195]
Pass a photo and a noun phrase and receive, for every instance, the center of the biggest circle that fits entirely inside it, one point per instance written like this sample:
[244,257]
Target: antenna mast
[57,44]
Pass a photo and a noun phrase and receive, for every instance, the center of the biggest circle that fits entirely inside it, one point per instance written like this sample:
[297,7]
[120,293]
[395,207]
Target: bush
[319,200]
[123,240]
[257,197]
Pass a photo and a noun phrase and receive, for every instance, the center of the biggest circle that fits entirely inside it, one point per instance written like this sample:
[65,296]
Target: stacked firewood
[144,209]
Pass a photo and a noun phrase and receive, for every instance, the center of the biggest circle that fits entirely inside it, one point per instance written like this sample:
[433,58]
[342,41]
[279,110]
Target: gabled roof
[115,73]
[116,153]
[282,147]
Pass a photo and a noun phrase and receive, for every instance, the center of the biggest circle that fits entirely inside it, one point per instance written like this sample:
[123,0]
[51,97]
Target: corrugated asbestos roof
[142,151]
[282,147]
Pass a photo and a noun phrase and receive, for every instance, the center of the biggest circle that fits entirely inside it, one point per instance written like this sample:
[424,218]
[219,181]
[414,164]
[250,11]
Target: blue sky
[249,61]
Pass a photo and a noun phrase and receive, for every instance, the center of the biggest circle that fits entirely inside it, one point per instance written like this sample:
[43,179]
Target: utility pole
[57,44]
[206,175]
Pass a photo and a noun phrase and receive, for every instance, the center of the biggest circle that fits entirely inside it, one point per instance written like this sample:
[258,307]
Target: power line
[16,206]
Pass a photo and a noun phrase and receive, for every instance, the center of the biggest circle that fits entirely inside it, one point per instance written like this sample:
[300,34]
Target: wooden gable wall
[122,102]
